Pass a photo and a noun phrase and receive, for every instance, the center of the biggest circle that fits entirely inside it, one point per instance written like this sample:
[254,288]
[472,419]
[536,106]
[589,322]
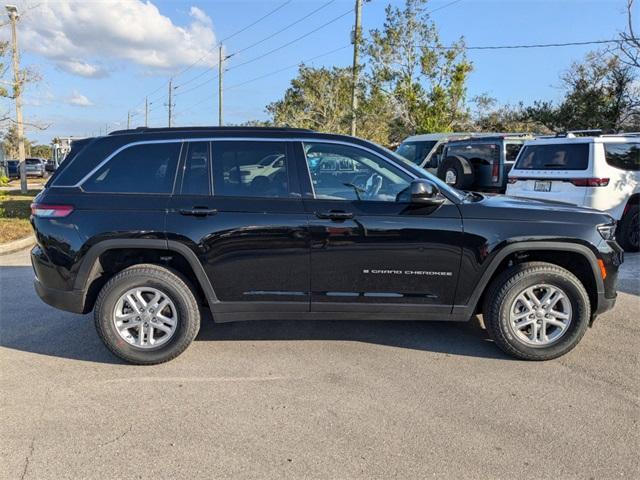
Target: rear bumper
[70,301]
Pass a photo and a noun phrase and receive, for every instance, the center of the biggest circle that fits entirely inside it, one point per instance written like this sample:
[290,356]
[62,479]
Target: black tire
[170,283]
[456,165]
[628,230]
[508,285]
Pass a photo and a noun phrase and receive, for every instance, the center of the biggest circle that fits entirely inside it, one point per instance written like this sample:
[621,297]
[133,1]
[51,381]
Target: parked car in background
[12,168]
[601,172]
[343,229]
[34,167]
[481,162]
[426,150]
[50,166]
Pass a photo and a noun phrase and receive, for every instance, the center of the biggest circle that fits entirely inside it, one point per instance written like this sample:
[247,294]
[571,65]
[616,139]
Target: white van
[601,172]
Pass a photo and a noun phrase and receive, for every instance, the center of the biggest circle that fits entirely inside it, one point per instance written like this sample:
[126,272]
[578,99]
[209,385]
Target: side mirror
[423,192]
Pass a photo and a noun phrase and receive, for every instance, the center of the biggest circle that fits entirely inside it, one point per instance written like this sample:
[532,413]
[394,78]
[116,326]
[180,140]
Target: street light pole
[220,72]
[357,33]
[12,10]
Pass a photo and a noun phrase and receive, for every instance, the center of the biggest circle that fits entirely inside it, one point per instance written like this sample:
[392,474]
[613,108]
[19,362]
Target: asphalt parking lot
[314,400]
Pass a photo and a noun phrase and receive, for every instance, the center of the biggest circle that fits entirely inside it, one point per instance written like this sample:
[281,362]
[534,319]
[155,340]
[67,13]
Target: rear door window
[480,151]
[144,168]
[196,175]
[567,156]
[625,156]
[250,169]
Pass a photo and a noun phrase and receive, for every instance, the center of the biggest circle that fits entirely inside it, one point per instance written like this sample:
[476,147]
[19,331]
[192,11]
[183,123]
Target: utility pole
[170,100]
[146,111]
[220,70]
[128,119]
[356,37]
[17,92]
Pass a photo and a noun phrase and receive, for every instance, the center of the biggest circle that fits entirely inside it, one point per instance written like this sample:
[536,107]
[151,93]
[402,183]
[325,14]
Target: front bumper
[605,304]
[70,301]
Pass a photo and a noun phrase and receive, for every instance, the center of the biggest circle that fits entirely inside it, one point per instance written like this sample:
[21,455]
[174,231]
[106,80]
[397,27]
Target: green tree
[10,142]
[425,81]
[489,116]
[41,151]
[599,92]
[318,98]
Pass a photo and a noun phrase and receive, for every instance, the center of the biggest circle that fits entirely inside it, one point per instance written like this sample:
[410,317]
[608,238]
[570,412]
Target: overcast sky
[99,59]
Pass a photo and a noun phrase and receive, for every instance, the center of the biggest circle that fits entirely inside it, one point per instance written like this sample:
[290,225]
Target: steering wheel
[372,186]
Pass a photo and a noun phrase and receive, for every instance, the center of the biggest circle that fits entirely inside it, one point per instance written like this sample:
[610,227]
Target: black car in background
[147,227]
[480,162]
[11,168]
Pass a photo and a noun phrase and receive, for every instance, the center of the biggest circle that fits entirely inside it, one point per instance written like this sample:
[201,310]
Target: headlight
[608,231]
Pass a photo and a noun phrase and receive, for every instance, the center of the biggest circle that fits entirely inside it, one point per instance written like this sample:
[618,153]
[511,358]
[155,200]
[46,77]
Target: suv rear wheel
[147,314]
[536,311]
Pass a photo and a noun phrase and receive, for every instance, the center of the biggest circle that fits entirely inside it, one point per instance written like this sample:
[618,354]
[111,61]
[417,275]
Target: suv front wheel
[536,311]
[147,314]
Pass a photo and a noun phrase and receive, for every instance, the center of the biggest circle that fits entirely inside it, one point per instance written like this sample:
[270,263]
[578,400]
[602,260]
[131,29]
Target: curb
[16,245]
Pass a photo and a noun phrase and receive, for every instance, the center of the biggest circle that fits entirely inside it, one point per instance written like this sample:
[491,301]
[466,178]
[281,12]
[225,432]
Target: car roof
[209,129]
[427,137]
[494,137]
[559,140]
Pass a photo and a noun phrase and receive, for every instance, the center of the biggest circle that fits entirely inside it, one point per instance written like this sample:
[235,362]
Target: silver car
[35,167]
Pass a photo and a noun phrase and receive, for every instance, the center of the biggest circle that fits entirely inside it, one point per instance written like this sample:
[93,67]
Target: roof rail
[207,129]
[596,132]
[622,134]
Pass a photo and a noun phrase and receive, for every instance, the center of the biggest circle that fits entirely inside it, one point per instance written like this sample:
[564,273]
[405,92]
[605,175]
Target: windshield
[422,173]
[557,156]
[415,152]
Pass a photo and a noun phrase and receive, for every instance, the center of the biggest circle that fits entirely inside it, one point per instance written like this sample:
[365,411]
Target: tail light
[589,182]
[495,170]
[50,211]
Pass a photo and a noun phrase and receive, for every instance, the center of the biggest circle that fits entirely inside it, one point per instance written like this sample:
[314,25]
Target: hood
[504,207]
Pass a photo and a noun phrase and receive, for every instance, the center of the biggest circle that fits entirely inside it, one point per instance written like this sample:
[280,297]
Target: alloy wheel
[540,315]
[145,317]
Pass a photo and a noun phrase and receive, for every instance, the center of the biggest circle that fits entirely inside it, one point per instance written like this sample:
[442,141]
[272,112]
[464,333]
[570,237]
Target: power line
[256,43]
[268,14]
[196,86]
[286,68]
[293,41]
[285,28]
[444,6]
[269,52]
[533,45]
[544,45]
[271,12]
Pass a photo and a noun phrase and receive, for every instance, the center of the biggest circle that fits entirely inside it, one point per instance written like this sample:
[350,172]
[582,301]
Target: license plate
[542,186]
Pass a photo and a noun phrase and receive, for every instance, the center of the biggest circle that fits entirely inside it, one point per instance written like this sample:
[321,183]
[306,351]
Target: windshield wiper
[356,189]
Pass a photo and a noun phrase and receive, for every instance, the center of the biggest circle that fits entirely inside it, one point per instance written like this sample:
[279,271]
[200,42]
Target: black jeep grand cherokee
[145,227]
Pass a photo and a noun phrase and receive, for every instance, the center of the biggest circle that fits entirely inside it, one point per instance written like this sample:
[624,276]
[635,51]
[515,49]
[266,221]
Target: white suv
[601,172]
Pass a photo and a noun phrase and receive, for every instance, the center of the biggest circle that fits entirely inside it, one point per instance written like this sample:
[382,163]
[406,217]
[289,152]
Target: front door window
[342,172]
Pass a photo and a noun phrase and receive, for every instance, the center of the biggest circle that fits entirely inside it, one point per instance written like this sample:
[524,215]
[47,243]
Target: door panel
[387,253]
[255,251]
[368,251]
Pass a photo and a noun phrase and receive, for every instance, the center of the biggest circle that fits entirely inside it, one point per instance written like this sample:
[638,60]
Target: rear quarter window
[568,156]
[145,168]
[625,156]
